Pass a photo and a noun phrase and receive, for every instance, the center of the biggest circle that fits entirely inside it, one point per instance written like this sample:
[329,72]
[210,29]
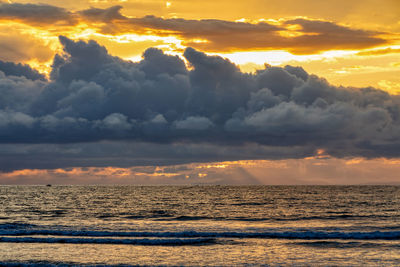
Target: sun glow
[251,61]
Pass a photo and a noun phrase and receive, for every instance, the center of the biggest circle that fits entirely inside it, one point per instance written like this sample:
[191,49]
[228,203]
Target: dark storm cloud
[209,111]
[16,95]
[36,14]
[126,154]
[13,69]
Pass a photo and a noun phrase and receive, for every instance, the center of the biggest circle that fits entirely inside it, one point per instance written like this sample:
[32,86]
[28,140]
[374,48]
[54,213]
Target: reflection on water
[200,225]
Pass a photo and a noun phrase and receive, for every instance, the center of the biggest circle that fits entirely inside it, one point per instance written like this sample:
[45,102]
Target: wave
[192,218]
[351,244]
[15,225]
[333,217]
[163,216]
[312,235]
[246,219]
[250,204]
[170,217]
[143,242]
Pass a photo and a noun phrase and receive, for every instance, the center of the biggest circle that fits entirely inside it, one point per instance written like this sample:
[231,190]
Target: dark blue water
[200,225]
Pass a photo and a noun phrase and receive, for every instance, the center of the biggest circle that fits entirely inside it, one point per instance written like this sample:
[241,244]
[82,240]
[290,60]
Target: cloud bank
[98,109]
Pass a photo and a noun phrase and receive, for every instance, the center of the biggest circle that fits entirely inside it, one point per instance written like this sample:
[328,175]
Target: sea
[200,225]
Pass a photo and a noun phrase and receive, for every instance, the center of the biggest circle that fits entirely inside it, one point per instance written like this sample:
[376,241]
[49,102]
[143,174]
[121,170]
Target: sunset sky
[183,92]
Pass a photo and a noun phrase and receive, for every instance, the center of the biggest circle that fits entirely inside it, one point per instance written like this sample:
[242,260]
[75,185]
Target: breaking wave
[145,242]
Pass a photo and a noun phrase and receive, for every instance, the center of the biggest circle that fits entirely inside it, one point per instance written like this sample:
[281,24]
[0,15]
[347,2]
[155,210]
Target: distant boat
[48,185]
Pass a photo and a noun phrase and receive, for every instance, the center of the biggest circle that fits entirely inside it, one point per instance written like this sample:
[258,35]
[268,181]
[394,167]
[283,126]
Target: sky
[199,92]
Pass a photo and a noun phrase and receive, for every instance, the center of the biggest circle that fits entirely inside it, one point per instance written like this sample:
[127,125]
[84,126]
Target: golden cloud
[299,36]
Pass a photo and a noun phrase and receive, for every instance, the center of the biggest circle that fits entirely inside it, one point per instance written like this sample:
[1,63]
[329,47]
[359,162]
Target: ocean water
[200,225]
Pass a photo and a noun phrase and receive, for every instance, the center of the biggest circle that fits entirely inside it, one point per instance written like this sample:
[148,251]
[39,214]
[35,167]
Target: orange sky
[351,43]
[309,171]
[343,41]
